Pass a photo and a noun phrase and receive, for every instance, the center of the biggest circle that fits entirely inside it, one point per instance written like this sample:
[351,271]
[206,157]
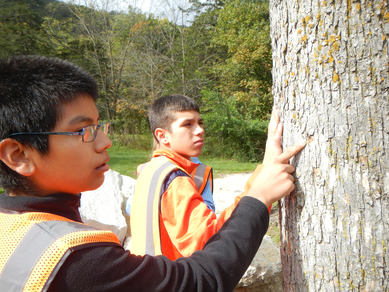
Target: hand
[274,132]
[275,180]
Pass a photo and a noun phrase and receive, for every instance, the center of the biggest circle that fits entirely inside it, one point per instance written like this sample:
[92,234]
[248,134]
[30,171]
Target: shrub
[228,134]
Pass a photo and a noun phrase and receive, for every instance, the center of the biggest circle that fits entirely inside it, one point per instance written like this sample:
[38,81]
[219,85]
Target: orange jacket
[42,241]
[185,221]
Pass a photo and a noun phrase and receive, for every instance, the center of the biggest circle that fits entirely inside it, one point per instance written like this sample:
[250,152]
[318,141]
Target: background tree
[96,39]
[245,72]
[330,76]
[20,27]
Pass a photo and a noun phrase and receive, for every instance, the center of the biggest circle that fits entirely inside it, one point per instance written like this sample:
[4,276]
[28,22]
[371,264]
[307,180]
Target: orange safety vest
[34,245]
[200,175]
[148,235]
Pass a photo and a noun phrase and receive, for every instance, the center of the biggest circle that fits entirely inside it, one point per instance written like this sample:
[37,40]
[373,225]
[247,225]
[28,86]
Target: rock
[226,188]
[104,208]
[265,271]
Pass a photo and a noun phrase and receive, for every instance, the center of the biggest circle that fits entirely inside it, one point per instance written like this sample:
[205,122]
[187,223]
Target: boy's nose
[102,142]
[199,130]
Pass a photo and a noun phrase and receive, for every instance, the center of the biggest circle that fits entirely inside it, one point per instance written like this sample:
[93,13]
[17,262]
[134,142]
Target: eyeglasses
[88,133]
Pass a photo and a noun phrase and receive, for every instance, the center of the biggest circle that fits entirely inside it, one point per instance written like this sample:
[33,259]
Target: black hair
[32,90]
[163,110]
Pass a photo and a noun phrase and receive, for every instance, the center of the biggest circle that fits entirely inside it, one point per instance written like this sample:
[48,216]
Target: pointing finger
[290,152]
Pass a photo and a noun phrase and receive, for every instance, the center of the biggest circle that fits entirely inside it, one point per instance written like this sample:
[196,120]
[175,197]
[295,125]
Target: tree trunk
[330,81]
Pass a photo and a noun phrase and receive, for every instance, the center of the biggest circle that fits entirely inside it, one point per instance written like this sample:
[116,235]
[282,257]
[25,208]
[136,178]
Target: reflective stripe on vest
[145,207]
[201,175]
[35,245]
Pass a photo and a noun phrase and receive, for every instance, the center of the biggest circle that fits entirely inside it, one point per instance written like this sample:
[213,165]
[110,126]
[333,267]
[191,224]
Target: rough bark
[330,80]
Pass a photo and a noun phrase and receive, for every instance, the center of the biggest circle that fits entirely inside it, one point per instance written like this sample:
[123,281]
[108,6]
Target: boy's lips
[104,166]
[199,142]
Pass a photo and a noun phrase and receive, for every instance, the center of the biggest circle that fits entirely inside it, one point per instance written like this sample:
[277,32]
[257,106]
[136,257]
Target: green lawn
[125,161]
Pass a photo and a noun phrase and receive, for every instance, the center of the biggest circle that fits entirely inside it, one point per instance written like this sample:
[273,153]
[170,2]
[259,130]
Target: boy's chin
[95,186]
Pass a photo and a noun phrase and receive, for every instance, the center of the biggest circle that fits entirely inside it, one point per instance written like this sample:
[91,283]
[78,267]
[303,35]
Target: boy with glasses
[53,148]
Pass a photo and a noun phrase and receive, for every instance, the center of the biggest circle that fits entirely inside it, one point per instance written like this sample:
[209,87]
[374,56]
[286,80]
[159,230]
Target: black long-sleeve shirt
[218,267]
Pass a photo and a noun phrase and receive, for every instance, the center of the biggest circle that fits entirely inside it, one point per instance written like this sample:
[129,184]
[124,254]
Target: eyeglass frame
[79,133]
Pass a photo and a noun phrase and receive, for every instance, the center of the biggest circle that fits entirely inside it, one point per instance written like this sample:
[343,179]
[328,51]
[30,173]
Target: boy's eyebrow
[193,119]
[81,119]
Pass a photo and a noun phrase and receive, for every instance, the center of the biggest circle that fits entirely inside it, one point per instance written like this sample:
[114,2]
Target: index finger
[290,152]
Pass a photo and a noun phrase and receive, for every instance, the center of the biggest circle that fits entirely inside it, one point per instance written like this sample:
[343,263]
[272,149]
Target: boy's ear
[15,156]
[161,136]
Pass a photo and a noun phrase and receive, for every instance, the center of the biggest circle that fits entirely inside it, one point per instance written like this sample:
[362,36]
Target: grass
[125,161]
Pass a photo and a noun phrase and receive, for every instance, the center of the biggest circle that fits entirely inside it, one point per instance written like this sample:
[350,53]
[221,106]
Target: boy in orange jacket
[170,213]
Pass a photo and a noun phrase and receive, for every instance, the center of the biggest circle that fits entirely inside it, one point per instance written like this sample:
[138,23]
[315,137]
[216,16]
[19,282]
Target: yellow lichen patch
[294,115]
[292,73]
[335,78]
[383,37]
[307,18]
[335,46]
[339,61]
[358,6]
[299,31]
[321,22]
[320,46]
[331,39]
[330,59]
[356,79]
[303,39]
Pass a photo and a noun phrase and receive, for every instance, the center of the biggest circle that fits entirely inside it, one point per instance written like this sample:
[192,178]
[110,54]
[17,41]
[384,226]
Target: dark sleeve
[218,267]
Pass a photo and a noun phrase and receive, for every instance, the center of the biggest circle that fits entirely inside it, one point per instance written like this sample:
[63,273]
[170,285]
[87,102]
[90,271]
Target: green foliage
[20,28]
[243,27]
[133,141]
[227,134]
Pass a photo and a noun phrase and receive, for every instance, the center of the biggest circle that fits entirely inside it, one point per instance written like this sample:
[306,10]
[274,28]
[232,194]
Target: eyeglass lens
[91,131]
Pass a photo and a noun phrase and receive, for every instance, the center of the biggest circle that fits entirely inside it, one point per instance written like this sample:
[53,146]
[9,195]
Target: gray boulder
[104,208]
